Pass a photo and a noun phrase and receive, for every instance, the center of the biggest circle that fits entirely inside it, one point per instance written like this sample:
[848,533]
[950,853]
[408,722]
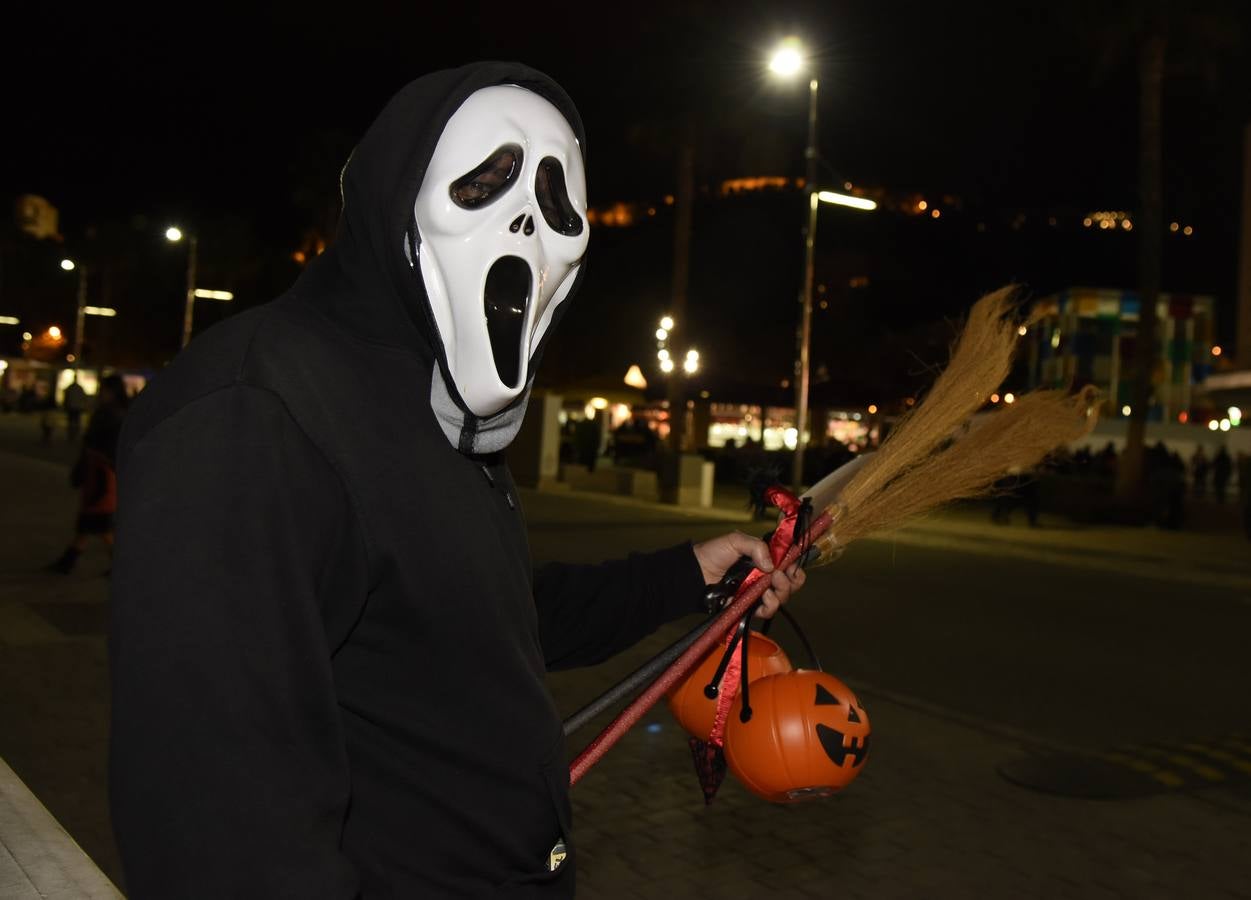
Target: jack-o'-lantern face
[808,736]
[689,701]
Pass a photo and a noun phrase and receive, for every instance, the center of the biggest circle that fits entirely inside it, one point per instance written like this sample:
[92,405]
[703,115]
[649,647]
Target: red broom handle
[749,593]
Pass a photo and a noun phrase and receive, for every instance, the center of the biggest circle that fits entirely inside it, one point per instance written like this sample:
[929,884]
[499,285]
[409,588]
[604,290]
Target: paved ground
[973,648]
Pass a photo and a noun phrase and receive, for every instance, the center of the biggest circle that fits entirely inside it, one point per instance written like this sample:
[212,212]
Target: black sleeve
[228,772]
[588,613]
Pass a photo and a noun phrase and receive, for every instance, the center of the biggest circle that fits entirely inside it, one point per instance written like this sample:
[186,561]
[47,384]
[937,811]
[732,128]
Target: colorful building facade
[1090,336]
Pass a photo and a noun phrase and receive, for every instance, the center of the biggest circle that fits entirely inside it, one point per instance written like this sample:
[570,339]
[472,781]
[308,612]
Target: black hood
[364,280]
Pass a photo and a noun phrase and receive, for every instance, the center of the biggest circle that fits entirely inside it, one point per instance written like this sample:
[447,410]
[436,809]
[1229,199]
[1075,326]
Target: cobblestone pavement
[930,816]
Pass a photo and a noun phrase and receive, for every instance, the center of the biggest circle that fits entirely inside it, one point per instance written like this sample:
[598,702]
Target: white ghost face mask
[501,223]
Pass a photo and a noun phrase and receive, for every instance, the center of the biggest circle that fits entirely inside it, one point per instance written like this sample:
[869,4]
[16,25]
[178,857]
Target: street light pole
[190,301]
[805,327]
[79,316]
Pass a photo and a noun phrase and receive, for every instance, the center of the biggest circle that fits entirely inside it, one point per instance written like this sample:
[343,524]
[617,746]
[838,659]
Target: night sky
[195,113]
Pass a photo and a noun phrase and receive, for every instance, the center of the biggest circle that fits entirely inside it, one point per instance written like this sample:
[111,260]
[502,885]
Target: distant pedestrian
[586,438]
[94,474]
[47,423]
[1200,466]
[1166,485]
[1222,468]
[1244,490]
[1016,489]
[1031,499]
[74,401]
[1107,461]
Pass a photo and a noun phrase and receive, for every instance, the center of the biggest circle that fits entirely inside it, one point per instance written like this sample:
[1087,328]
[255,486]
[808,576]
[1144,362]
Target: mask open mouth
[505,297]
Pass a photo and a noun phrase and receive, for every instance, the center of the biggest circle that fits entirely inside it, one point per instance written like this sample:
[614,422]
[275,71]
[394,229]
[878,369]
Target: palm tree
[1152,47]
[1169,38]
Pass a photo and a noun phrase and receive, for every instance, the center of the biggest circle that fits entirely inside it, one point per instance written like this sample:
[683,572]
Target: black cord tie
[745,715]
[713,687]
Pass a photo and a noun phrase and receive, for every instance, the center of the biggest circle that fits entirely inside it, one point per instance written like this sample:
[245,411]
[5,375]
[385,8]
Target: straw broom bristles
[979,363]
[926,462]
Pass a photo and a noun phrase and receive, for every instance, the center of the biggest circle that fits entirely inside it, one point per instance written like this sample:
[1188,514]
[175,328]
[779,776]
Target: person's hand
[715,556]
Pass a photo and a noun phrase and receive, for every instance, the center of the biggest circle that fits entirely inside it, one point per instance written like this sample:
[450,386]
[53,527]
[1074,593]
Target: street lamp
[69,265]
[788,60]
[691,364]
[174,234]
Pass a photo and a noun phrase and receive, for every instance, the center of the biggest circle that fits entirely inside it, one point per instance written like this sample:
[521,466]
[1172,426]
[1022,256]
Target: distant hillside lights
[619,215]
[624,214]
[1119,220]
[758,183]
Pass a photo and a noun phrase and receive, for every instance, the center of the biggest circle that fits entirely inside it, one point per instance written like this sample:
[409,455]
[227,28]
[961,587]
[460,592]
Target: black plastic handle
[720,593]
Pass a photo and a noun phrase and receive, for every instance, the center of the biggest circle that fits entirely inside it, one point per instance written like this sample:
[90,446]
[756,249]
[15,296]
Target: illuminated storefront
[773,427]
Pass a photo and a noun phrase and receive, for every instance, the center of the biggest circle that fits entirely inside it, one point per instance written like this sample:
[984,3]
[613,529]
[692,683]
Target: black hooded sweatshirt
[327,642]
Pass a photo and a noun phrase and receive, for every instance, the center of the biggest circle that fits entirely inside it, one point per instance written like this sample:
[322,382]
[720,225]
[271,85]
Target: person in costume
[94,474]
[327,640]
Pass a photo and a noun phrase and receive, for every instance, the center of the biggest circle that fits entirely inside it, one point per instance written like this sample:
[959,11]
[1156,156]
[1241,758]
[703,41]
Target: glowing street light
[54,332]
[174,234]
[787,58]
[667,365]
[67,265]
[847,200]
[202,294]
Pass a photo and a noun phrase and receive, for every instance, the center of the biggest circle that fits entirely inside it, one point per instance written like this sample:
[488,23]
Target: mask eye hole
[553,197]
[489,180]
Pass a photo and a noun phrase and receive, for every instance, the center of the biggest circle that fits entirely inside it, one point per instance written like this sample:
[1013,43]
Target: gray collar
[465,431]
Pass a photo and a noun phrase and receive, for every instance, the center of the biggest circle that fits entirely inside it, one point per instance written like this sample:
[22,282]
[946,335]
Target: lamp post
[788,60]
[174,235]
[668,366]
[691,364]
[69,266]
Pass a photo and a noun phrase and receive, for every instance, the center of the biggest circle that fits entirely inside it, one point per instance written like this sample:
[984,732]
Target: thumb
[758,550]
